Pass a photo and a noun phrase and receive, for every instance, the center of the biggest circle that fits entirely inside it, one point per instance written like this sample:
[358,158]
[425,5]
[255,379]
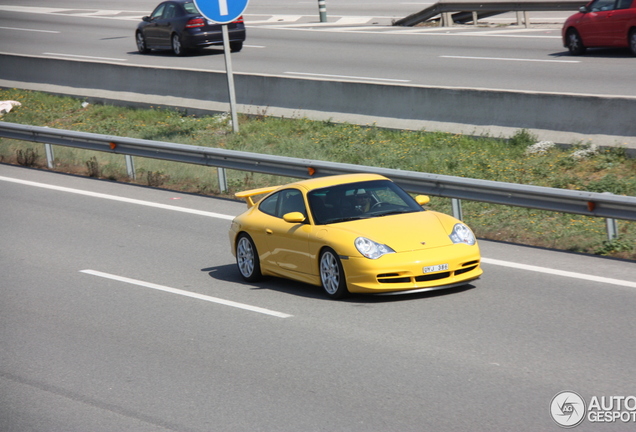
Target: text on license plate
[435,268]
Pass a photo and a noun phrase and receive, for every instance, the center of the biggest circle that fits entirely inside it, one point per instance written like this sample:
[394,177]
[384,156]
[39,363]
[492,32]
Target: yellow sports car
[354,233]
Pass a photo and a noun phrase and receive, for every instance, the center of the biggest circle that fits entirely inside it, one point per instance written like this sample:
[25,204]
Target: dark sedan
[178,25]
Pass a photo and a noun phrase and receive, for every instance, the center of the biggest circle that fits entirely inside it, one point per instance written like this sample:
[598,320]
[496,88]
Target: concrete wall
[578,114]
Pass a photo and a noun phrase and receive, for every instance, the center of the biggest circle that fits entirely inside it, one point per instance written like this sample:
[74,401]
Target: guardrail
[537,197]
[472,11]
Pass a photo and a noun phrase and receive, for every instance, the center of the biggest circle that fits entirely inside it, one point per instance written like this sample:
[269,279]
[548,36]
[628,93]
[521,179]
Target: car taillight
[238,20]
[195,22]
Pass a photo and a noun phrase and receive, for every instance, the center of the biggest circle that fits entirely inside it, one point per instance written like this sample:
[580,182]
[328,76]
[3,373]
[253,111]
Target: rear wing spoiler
[248,194]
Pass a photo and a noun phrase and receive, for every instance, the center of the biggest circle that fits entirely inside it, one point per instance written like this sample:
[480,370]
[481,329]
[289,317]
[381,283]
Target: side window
[269,204]
[171,10]
[623,4]
[602,5]
[158,12]
[292,201]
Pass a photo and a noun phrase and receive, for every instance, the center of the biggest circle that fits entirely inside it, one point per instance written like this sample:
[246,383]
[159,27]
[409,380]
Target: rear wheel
[247,258]
[236,46]
[332,275]
[632,41]
[141,43]
[575,43]
[177,48]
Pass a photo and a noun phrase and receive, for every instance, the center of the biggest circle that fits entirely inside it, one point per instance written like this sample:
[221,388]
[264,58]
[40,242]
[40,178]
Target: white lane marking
[187,293]
[229,217]
[83,57]
[510,59]
[556,272]
[346,77]
[118,198]
[29,30]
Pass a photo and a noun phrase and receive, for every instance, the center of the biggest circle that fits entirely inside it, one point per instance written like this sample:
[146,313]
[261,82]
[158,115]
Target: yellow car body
[312,241]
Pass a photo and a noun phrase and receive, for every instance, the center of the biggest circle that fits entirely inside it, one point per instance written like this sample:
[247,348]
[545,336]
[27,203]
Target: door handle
[269,231]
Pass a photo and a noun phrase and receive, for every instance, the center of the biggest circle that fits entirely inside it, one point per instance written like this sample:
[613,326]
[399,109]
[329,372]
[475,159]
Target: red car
[602,23]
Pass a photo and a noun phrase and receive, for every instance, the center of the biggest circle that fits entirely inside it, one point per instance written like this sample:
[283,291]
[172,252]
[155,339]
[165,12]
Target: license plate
[435,268]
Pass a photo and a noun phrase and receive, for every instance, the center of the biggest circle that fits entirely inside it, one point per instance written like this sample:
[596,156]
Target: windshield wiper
[344,219]
[392,212]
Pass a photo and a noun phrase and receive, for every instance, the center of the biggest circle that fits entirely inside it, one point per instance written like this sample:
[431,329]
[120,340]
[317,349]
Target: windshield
[361,200]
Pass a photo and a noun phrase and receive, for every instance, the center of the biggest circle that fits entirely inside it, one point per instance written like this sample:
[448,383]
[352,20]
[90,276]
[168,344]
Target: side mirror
[422,199]
[146,19]
[583,9]
[294,217]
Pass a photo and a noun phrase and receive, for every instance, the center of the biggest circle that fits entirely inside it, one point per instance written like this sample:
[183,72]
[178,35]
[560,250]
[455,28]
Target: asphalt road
[122,310]
[358,43]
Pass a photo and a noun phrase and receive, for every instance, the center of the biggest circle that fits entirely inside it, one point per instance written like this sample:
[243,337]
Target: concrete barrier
[475,109]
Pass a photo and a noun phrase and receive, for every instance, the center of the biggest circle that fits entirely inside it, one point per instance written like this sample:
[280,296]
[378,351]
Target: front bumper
[405,271]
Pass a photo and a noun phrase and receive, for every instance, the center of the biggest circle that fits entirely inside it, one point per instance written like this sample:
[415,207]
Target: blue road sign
[221,11]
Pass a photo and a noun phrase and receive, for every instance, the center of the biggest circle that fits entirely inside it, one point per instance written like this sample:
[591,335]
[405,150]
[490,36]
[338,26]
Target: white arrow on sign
[223,7]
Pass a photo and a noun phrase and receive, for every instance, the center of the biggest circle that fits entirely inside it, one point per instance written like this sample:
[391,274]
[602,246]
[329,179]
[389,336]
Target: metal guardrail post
[222,180]
[130,167]
[456,205]
[612,229]
[610,224]
[48,149]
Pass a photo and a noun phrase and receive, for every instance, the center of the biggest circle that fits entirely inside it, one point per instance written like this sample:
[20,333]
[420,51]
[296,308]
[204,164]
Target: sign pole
[230,77]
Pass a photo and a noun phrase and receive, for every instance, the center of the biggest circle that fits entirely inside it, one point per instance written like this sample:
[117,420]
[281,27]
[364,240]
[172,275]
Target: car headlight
[462,234]
[371,249]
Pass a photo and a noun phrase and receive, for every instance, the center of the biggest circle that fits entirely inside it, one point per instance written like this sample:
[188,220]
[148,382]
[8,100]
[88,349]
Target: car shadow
[598,53]
[229,273]
[203,52]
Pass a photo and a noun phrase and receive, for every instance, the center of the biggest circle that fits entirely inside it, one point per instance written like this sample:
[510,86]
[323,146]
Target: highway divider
[561,112]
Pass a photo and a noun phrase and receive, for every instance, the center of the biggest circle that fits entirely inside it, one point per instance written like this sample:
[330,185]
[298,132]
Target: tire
[236,46]
[247,259]
[574,42]
[632,41]
[177,48]
[332,275]
[141,43]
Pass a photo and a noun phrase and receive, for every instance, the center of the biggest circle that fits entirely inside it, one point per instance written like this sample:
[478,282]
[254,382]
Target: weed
[27,157]
[156,179]
[93,167]
[522,138]
[618,245]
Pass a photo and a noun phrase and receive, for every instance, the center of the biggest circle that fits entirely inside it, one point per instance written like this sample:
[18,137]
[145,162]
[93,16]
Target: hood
[401,232]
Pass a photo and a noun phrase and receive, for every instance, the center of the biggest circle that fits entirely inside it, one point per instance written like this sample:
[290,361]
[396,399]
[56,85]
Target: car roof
[308,185]
[321,182]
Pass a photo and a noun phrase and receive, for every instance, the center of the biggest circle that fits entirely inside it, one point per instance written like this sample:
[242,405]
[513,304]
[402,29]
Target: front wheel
[247,259]
[632,41]
[332,275]
[141,43]
[574,42]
